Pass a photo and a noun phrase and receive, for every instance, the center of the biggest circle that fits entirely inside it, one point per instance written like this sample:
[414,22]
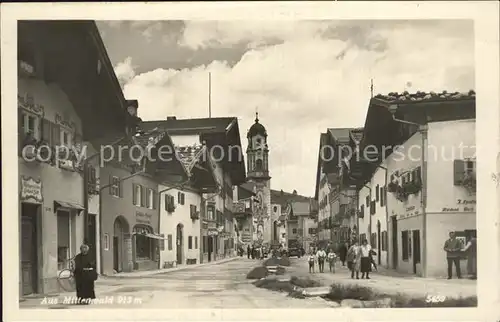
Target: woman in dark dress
[343,253]
[85,276]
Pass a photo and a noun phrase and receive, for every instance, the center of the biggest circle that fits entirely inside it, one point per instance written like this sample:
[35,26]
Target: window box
[469,181]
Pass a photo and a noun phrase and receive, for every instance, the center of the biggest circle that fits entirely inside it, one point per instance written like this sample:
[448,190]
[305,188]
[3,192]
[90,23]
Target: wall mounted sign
[27,102]
[65,122]
[463,205]
[31,190]
[213,232]
[143,218]
[410,211]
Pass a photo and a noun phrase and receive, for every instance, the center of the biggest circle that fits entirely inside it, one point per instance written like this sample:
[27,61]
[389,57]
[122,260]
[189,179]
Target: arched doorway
[121,228]
[180,243]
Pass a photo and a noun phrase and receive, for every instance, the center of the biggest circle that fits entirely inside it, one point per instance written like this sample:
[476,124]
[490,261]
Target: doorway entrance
[394,226]
[210,247]
[379,249]
[29,248]
[120,228]
[416,249]
[180,244]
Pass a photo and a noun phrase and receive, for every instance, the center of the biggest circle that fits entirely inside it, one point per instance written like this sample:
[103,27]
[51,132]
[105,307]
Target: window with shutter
[162,242]
[165,201]
[169,240]
[46,131]
[377,193]
[179,201]
[155,199]
[143,196]
[459,170]
[418,174]
[134,194]
[120,188]
[367,201]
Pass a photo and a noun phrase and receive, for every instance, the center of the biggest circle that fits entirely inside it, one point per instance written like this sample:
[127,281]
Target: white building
[179,214]
[423,186]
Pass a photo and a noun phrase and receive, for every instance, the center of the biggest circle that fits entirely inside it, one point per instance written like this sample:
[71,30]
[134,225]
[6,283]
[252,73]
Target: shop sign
[213,232]
[143,218]
[31,190]
[462,206]
[410,211]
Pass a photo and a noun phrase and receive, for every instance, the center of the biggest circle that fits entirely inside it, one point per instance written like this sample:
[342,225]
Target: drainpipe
[423,129]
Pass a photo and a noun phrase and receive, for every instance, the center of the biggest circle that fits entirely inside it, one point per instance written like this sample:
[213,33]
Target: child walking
[311,261]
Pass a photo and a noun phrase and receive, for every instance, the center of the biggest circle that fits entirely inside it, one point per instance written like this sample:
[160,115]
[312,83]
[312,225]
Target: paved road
[213,286]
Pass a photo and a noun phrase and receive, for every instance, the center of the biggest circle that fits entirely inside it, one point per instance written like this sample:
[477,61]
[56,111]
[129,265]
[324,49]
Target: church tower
[258,174]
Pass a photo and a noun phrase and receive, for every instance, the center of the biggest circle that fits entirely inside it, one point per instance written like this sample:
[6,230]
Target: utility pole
[209,95]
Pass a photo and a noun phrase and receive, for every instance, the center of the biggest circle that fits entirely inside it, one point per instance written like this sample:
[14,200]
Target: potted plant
[469,180]
[392,187]
[412,187]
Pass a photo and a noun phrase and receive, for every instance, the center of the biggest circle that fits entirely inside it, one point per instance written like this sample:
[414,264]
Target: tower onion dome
[257,128]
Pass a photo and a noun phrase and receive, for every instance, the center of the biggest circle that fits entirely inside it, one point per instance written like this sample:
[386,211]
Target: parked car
[294,251]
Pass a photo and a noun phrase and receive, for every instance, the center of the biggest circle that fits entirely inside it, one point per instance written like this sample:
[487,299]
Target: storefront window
[144,245]
[65,240]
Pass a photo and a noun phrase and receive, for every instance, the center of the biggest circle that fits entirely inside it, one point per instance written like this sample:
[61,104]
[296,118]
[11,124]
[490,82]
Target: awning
[152,236]
[67,205]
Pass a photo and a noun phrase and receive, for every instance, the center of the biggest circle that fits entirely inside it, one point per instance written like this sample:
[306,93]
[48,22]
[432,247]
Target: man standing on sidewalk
[453,247]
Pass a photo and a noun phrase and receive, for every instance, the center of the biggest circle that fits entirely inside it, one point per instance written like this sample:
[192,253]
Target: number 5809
[435,298]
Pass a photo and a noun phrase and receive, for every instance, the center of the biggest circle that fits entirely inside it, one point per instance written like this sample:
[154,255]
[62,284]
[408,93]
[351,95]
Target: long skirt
[84,287]
[365,264]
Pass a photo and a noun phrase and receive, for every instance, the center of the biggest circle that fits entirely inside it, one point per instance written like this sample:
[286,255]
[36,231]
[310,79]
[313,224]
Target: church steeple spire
[256,117]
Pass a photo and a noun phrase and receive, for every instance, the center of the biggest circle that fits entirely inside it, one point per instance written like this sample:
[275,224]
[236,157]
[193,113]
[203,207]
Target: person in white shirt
[311,259]
[331,260]
[366,263]
[321,255]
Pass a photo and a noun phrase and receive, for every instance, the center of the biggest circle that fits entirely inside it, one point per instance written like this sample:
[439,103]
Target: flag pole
[209,95]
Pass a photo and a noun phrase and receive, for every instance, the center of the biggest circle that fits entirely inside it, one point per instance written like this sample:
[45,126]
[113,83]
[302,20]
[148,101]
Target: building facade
[213,174]
[423,187]
[180,225]
[55,214]
[130,226]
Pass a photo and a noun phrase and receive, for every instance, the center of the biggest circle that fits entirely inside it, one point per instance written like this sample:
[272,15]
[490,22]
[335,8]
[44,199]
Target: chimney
[132,107]
[171,118]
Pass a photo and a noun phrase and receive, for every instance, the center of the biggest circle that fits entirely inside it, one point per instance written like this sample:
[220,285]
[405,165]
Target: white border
[485,15]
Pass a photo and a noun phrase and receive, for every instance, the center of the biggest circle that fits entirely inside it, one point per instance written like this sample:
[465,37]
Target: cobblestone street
[211,286]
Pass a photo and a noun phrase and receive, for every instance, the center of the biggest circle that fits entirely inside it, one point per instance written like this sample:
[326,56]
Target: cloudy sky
[301,76]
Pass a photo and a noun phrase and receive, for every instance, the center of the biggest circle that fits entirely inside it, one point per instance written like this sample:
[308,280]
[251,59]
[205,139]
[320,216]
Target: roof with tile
[282,198]
[422,97]
[204,125]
